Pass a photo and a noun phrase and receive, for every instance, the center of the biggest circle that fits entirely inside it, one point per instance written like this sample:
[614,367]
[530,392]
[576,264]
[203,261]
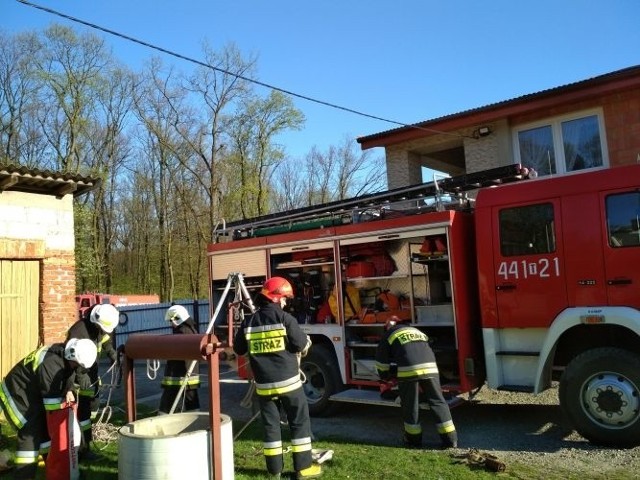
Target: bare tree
[219,94]
[158,117]
[341,172]
[20,141]
[71,69]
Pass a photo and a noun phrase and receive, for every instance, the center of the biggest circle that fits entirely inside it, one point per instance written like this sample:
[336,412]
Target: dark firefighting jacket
[272,338]
[40,380]
[407,350]
[87,379]
[176,370]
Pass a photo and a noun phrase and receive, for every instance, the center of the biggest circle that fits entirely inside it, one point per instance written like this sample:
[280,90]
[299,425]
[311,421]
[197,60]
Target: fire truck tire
[600,394]
[323,380]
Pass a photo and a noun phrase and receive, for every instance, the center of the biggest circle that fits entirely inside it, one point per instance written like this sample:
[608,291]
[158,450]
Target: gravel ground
[516,427]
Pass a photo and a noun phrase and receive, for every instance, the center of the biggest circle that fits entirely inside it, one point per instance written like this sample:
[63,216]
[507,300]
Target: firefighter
[97,324]
[176,370]
[404,353]
[274,343]
[40,384]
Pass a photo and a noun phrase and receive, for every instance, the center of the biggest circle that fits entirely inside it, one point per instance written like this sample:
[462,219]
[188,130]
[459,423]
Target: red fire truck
[85,301]
[518,282]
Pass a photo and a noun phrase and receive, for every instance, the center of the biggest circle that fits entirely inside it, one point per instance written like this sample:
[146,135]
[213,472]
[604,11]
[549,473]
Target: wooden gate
[19,299]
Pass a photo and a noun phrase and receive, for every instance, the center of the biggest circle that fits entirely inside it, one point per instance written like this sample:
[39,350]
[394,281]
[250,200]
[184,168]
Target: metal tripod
[242,297]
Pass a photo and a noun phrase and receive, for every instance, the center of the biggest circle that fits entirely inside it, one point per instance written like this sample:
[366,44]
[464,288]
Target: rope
[103,431]
[152,369]
[247,400]
[255,415]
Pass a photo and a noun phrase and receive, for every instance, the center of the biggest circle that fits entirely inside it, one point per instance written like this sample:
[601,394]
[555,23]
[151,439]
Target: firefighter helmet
[177,315]
[106,316]
[81,350]
[276,288]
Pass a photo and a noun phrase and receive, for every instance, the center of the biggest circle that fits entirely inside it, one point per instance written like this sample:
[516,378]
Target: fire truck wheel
[323,380]
[600,394]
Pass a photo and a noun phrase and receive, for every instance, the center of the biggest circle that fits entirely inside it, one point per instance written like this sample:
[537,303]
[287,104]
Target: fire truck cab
[531,282]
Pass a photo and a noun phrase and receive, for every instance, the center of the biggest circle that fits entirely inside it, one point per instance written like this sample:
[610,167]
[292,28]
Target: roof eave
[526,104]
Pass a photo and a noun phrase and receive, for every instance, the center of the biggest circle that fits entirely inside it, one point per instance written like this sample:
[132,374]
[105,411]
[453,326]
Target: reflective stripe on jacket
[40,380]
[175,371]
[272,338]
[407,348]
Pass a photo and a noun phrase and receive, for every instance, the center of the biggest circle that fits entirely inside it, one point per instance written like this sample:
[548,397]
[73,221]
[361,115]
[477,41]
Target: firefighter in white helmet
[41,382]
[175,370]
[404,353]
[273,340]
[97,325]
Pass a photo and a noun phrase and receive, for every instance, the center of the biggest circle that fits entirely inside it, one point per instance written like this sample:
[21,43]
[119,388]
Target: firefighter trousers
[297,411]
[410,396]
[84,418]
[33,440]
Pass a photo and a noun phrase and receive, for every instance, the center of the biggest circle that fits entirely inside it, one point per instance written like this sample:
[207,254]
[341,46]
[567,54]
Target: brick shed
[37,262]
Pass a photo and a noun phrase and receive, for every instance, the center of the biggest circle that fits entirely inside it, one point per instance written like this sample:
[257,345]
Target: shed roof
[44,182]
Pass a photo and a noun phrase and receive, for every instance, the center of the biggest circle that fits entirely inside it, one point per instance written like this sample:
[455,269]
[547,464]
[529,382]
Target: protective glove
[306,348]
[113,356]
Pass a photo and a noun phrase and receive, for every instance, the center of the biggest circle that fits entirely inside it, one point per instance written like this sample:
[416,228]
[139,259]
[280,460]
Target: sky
[403,61]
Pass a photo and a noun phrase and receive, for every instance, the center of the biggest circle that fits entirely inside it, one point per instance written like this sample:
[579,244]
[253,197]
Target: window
[563,144]
[623,219]
[527,230]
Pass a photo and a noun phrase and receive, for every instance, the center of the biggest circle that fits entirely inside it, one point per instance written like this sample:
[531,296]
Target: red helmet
[277,287]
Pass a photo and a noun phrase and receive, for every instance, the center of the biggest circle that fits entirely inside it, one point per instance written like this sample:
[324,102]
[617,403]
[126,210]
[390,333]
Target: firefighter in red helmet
[274,341]
[404,353]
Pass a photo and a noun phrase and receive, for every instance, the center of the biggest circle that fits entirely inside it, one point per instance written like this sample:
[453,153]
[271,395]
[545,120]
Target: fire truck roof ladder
[370,206]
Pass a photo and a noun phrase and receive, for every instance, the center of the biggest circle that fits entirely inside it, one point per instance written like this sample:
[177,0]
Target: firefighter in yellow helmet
[273,340]
[404,353]
[97,324]
[39,385]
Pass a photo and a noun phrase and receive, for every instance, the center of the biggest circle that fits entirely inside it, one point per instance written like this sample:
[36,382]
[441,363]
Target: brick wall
[58,287]
[621,113]
[622,121]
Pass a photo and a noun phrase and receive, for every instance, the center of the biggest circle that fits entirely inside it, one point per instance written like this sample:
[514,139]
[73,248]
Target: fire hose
[478,459]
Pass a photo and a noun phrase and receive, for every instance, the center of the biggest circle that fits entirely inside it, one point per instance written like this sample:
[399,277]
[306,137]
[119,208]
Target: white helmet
[177,315]
[105,315]
[81,350]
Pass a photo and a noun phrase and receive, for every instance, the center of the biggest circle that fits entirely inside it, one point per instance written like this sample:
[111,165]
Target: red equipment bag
[64,431]
[361,269]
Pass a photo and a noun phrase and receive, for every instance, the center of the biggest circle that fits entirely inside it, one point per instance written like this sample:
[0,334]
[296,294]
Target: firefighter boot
[449,440]
[314,471]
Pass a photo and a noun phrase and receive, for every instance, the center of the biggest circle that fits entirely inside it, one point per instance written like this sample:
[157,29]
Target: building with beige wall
[37,259]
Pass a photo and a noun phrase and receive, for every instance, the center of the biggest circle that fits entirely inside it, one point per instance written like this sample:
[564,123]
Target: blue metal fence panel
[149,319]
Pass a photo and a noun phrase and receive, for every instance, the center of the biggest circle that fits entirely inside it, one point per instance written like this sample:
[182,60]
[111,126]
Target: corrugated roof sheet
[626,72]
[45,182]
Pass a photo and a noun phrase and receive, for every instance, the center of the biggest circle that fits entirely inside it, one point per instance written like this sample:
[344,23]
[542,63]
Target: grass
[350,461]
